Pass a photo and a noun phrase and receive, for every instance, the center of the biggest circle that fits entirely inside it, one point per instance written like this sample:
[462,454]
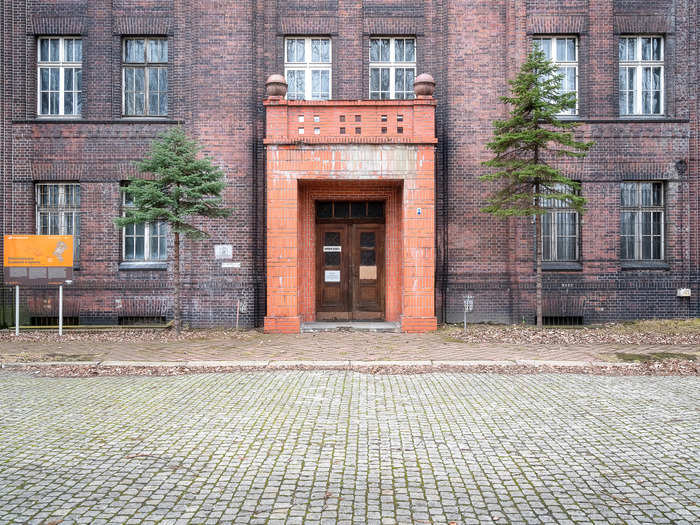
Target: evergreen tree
[185,186]
[525,147]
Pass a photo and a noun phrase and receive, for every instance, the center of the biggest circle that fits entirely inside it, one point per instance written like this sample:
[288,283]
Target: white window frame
[538,40]
[639,65]
[553,208]
[67,213]
[392,65]
[145,65]
[148,234]
[62,65]
[639,210]
[308,67]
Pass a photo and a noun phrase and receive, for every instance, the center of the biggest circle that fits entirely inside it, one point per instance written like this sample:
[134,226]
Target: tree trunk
[176,263]
[538,257]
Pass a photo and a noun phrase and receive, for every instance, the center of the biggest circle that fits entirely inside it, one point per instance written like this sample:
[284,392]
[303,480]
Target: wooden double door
[350,271]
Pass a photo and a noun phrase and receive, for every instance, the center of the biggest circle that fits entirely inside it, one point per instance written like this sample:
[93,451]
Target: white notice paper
[332,276]
[368,273]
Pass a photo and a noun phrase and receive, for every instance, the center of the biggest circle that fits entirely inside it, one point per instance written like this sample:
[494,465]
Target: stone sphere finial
[424,85]
[276,86]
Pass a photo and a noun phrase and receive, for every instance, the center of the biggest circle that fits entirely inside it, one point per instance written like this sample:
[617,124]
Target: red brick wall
[221,53]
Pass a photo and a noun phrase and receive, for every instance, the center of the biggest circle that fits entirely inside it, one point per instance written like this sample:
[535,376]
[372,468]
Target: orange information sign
[48,251]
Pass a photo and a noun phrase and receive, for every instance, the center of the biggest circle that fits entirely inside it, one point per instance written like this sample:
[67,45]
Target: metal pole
[238,309]
[60,309]
[17,309]
[465,315]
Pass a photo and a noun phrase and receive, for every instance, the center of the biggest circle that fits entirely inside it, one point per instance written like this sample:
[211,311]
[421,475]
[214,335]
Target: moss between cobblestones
[337,447]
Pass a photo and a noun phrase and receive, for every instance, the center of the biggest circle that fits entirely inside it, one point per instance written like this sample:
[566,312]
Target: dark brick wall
[494,259]
[221,53]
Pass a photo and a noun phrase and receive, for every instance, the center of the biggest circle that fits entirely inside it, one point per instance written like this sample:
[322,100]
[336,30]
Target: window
[146,241]
[642,221]
[60,76]
[145,77]
[392,68]
[307,68]
[58,212]
[563,52]
[345,209]
[560,230]
[641,75]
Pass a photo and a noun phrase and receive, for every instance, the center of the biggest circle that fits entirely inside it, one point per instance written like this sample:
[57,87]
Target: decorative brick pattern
[132,25]
[48,25]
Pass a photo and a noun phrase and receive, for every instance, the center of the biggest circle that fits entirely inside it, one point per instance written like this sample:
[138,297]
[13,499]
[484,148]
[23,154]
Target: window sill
[145,118]
[642,116]
[571,266]
[58,118]
[645,265]
[120,120]
[634,118]
[143,265]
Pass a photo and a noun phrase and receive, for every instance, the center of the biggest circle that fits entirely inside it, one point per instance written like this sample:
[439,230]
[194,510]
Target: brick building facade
[80,118]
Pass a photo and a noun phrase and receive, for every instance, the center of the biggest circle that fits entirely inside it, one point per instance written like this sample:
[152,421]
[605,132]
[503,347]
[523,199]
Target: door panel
[332,280]
[350,271]
[368,271]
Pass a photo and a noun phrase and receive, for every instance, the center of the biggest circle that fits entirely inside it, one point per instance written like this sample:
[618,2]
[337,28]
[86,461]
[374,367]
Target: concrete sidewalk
[253,347]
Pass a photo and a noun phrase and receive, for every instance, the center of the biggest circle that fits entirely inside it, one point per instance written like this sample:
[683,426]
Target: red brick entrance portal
[351,151]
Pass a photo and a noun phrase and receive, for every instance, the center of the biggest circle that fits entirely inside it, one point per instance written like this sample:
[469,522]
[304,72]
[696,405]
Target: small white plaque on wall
[332,276]
[223,251]
[230,265]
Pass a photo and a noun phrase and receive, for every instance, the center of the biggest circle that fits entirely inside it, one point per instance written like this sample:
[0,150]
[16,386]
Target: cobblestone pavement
[322,346]
[342,447]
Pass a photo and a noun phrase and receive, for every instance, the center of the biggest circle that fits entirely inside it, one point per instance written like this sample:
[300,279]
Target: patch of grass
[653,357]
[449,336]
[659,326]
[448,332]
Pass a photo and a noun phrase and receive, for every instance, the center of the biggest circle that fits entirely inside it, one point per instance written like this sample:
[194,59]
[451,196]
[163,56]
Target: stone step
[350,326]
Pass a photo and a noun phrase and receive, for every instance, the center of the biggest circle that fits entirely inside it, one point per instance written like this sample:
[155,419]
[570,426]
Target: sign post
[468,307]
[17,309]
[60,309]
[38,260]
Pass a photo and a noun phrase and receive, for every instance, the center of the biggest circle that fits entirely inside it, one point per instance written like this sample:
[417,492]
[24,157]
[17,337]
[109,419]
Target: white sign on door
[332,276]
[331,249]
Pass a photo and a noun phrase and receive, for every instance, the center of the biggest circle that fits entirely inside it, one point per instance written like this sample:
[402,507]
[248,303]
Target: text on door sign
[332,276]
